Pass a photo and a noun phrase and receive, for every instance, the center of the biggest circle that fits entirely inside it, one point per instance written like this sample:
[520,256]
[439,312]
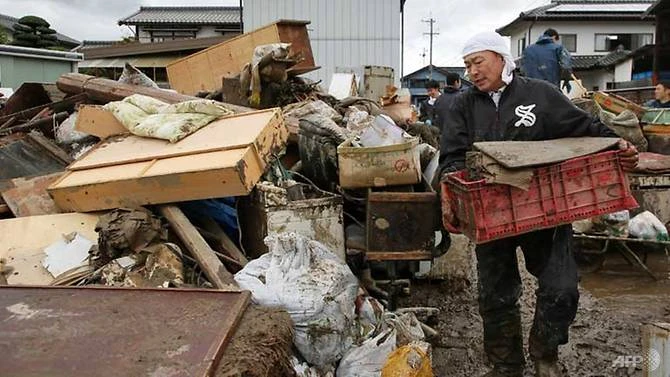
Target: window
[521,45]
[631,42]
[569,41]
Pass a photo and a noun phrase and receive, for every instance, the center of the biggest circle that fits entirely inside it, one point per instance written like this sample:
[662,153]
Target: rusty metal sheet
[56,331]
[401,221]
[19,157]
[29,196]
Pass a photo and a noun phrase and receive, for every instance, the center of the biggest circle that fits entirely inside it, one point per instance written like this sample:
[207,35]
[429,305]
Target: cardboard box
[204,70]
[379,166]
[219,160]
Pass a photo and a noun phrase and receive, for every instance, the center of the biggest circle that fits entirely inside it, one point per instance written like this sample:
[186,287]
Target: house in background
[661,54]
[7,24]
[343,33]
[600,35]
[162,35]
[159,24]
[417,80]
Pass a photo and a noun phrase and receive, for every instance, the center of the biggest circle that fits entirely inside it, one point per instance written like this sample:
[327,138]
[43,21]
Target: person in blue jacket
[547,60]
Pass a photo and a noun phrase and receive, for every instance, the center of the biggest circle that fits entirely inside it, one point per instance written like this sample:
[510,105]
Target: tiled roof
[617,10]
[184,15]
[586,62]
[8,22]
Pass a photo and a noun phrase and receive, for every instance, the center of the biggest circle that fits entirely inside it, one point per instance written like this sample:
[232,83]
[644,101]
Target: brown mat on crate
[653,163]
[521,154]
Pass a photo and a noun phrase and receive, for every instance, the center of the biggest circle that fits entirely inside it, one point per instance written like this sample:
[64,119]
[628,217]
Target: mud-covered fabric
[548,255]
[149,117]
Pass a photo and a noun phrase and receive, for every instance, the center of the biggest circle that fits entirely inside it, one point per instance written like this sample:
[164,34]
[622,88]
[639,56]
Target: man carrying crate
[503,106]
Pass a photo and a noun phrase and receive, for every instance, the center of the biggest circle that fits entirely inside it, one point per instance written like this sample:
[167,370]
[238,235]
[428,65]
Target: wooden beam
[226,243]
[56,118]
[200,250]
[105,90]
[52,148]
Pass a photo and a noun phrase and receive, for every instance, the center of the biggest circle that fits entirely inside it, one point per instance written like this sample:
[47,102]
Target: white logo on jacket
[525,113]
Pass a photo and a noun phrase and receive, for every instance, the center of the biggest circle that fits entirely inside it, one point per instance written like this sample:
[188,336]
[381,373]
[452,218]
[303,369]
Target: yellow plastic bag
[412,360]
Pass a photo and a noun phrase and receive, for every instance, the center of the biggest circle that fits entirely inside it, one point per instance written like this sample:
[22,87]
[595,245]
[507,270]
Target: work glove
[628,155]
[567,86]
[449,220]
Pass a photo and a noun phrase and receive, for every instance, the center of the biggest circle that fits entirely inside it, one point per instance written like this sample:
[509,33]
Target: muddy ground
[615,301]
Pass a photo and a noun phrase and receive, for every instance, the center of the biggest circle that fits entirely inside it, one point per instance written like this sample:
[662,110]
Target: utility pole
[430,21]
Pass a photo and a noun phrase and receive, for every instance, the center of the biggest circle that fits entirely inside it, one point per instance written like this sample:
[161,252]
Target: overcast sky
[456,21]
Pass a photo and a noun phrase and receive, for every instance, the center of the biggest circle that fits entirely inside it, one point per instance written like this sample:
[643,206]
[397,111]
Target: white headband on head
[492,41]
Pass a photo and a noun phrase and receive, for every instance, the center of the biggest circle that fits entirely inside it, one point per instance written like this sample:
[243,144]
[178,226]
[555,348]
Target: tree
[33,31]
[4,38]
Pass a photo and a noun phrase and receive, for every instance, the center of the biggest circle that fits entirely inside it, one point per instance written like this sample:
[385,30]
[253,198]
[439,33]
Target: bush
[23,28]
[28,37]
[33,21]
[45,30]
[49,37]
[44,43]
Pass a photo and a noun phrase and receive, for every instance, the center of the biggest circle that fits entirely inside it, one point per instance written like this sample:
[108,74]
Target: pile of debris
[135,187]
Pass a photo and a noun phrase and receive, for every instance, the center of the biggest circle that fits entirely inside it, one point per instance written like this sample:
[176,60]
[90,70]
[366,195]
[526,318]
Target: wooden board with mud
[115,331]
[264,129]
[520,154]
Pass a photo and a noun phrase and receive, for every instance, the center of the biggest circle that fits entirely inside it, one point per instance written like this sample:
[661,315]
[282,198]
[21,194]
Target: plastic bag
[357,120]
[134,76]
[368,359]
[66,134]
[613,224]
[304,370]
[647,226]
[412,360]
[316,289]
[382,132]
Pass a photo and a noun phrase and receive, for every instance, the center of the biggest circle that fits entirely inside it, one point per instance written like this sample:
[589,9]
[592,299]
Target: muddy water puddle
[620,285]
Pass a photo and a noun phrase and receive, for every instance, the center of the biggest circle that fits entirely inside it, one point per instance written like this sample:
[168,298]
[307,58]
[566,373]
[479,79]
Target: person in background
[451,91]
[548,60]
[503,106]
[661,95]
[427,107]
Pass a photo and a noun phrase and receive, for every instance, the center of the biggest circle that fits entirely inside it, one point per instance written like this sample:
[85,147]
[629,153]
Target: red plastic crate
[559,194]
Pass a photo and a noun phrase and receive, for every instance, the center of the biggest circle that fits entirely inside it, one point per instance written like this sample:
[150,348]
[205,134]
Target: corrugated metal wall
[343,33]
[15,70]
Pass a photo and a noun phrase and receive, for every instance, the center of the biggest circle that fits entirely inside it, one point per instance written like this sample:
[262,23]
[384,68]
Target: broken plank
[95,120]
[29,196]
[23,240]
[227,244]
[67,104]
[169,180]
[200,250]
[42,122]
[50,147]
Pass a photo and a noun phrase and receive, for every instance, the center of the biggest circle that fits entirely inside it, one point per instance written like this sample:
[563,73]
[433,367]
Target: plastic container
[559,194]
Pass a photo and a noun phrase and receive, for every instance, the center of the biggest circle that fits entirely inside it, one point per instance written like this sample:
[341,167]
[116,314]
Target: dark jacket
[427,111]
[546,60]
[529,110]
[656,104]
[443,104]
